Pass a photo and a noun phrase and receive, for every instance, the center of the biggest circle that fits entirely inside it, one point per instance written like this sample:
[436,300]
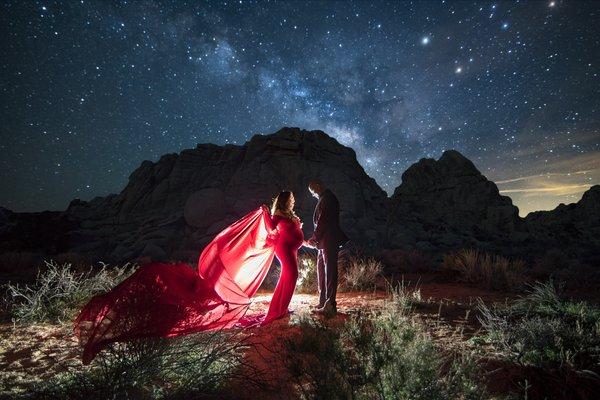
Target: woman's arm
[271,225]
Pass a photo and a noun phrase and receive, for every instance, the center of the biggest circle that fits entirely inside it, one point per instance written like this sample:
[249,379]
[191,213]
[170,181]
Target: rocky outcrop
[574,228]
[173,207]
[447,203]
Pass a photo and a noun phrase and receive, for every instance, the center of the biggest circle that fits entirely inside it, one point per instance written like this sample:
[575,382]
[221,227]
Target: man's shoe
[327,310]
[317,306]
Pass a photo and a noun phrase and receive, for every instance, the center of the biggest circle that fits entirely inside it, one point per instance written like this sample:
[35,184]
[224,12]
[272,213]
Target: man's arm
[320,224]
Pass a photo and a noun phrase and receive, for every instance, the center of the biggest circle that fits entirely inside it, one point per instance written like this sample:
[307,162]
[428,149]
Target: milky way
[90,89]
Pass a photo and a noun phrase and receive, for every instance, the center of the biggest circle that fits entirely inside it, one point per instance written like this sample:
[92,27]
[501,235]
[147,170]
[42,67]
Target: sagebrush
[543,329]
[60,291]
[384,355]
[194,366]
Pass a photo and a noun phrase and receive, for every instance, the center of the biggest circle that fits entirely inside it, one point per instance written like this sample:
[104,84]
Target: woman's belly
[291,238]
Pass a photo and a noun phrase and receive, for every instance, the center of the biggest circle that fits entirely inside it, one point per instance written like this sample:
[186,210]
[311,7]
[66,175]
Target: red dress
[289,240]
[164,300]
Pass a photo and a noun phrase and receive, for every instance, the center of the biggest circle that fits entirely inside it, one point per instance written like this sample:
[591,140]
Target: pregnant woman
[289,240]
[165,300]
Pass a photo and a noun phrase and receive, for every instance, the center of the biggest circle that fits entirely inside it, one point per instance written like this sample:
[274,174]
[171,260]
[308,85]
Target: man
[327,238]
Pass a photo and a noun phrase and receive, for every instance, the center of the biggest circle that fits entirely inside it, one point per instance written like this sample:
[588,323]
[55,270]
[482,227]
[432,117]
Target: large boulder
[448,203]
[171,208]
[178,203]
[573,229]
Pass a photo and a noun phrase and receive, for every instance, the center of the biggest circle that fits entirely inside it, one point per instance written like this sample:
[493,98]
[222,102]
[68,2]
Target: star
[128,83]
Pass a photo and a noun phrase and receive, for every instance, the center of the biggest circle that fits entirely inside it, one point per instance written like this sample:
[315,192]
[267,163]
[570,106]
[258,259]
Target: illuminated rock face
[180,202]
[171,208]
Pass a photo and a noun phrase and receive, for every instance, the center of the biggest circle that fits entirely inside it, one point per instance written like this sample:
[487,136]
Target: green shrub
[545,330]
[307,274]
[59,292]
[385,355]
[192,366]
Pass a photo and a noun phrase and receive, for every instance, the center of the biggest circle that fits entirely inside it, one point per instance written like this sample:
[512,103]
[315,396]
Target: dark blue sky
[91,88]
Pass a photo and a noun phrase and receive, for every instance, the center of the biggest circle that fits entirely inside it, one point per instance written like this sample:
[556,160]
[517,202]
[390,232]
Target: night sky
[90,89]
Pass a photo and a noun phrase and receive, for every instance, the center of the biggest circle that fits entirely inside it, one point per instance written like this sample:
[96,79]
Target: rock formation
[572,228]
[448,203]
[172,207]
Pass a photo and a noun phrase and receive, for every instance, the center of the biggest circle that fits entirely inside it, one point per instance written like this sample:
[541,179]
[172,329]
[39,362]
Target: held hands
[310,243]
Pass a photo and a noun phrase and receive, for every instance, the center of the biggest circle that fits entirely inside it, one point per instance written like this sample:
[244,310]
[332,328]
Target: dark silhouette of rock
[573,229]
[447,204]
[177,204]
[171,208]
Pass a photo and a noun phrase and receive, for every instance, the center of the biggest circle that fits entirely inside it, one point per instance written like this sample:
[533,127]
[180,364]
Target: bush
[59,292]
[494,272]
[361,274]
[544,330]
[307,274]
[401,299]
[385,355]
[193,366]
[272,277]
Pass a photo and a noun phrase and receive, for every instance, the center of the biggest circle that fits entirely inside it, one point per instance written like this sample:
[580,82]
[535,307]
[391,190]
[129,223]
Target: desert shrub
[307,274]
[545,330]
[59,291]
[192,366]
[402,299]
[492,271]
[383,355]
[272,277]
[361,274]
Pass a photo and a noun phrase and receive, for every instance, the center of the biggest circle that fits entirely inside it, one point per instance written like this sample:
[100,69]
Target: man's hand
[310,243]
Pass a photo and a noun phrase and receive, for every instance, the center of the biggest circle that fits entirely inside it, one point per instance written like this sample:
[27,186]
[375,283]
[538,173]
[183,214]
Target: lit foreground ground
[30,353]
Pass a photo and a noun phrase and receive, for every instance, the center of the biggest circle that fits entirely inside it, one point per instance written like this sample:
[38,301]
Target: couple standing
[165,300]
[327,238]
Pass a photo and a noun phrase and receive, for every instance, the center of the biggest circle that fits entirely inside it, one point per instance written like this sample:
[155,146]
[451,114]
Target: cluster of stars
[91,89]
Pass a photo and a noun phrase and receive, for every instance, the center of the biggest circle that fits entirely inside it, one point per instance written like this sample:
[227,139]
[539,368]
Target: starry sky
[90,89]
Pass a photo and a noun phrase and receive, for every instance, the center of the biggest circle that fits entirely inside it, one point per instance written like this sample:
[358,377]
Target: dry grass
[492,271]
[361,274]
[59,291]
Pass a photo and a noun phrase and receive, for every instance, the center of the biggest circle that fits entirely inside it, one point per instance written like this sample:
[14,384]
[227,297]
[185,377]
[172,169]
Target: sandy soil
[36,352]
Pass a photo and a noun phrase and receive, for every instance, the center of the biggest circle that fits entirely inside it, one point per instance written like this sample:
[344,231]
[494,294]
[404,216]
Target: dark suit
[328,237]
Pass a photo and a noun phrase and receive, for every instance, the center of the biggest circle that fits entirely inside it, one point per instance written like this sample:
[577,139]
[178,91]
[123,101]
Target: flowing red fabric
[164,300]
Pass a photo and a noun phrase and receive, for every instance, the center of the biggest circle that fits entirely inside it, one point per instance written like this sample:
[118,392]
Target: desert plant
[401,299]
[492,271]
[307,274]
[193,366]
[545,330]
[383,355]
[361,274]
[59,291]
[272,277]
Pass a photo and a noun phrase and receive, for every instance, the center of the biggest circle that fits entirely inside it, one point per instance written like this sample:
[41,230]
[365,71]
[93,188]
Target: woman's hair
[280,204]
